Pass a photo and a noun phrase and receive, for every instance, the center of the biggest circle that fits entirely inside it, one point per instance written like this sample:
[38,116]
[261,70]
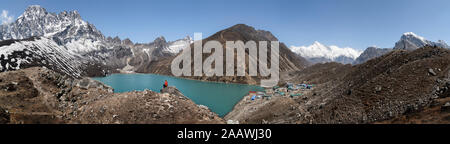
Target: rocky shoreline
[40,95]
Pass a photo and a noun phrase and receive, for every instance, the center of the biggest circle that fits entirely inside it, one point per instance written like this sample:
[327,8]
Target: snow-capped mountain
[411,41]
[319,53]
[408,41]
[66,43]
[58,42]
[146,53]
[64,28]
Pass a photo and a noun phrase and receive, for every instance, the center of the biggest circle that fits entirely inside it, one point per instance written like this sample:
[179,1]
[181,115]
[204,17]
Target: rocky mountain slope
[411,41]
[144,54]
[319,53]
[39,95]
[401,86]
[371,52]
[39,51]
[289,61]
[74,46]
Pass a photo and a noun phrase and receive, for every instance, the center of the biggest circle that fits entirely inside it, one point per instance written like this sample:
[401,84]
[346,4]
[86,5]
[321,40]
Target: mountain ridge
[412,41]
[71,34]
[319,53]
[408,41]
[289,61]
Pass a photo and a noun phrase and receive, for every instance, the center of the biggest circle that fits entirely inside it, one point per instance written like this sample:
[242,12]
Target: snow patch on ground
[45,50]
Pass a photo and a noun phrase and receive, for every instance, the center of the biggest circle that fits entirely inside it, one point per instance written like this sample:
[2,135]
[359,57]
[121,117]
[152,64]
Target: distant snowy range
[320,53]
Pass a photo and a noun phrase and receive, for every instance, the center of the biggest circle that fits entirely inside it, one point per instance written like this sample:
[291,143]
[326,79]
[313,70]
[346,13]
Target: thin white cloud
[5,18]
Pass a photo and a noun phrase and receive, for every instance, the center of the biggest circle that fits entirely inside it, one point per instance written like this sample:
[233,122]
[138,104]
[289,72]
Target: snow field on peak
[332,52]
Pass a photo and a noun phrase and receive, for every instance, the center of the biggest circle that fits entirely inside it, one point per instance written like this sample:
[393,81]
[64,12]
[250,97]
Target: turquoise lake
[218,97]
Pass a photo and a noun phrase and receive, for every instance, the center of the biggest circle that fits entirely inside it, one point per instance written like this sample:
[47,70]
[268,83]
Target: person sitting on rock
[166,84]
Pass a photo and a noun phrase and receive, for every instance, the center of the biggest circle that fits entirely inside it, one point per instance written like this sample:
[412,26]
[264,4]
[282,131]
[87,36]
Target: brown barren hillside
[401,86]
[289,61]
[395,84]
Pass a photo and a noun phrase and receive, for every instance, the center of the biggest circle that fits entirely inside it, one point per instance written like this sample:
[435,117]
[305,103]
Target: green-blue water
[218,97]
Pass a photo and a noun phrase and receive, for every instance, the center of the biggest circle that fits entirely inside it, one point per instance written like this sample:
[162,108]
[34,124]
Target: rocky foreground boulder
[39,95]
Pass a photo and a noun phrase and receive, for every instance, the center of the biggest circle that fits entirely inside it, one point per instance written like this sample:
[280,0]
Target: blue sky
[345,23]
